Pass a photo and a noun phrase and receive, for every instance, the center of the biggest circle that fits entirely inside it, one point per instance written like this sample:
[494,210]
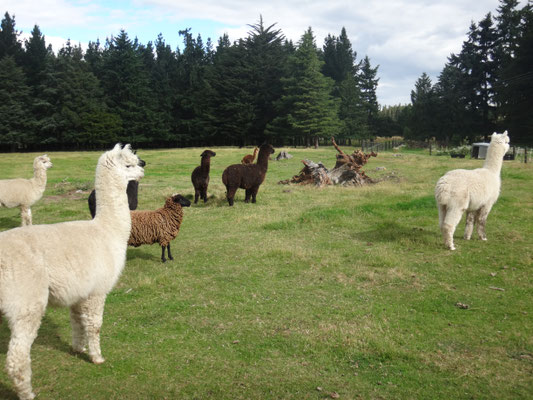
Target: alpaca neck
[39,177]
[262,159]
[255,153]
[205,164]
[112,203]
[494,159]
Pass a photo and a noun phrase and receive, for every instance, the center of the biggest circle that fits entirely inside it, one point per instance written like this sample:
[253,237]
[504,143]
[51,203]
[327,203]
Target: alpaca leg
[78,322]
[453,216]
[470,217]
[25,213]
[196,195]
[93,309]
[254,193]
[230,195]
[442,214]
[24,329]
[481,220]
[247,195]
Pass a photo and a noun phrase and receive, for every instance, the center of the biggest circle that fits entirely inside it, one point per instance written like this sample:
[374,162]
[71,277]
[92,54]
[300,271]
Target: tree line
[486,87]
[262,87]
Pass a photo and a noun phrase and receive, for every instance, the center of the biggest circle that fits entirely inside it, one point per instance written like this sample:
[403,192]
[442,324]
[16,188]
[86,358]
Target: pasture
[339,292]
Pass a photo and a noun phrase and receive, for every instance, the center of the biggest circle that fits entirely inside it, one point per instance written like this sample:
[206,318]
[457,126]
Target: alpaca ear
[117,147]
[505,133]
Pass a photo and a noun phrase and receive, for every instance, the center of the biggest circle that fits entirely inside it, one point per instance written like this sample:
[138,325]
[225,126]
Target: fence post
[525,154]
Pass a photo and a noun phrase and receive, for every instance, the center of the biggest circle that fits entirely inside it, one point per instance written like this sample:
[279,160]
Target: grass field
[307,294]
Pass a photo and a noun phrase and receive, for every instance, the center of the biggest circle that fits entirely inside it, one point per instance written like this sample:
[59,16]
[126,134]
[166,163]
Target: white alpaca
[24,193]
[73,264]
[474,191]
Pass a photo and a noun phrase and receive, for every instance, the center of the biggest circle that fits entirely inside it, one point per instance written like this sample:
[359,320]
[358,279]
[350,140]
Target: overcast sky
[404,37]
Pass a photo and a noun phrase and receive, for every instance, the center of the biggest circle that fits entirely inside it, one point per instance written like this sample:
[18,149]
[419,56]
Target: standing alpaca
[249,158]
[475,191]
[24,193]
[200,176]
[73,264]
[247,176]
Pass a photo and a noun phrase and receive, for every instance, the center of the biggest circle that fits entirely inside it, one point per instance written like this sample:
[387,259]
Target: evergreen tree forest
[260,88]
[487,87]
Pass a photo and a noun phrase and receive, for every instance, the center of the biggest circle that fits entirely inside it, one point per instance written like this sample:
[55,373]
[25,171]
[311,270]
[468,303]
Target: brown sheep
[161,225]
[247,176]
[249,158]
[200,176]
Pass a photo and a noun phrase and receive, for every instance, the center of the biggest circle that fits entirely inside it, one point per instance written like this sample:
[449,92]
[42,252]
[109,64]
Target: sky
[405,38]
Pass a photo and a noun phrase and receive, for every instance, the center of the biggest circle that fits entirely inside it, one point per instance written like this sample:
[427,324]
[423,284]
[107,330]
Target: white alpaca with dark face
[474,191]
[72,264]
[24,193]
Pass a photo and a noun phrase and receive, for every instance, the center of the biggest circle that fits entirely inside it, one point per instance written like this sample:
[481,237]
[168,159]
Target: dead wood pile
[347,170]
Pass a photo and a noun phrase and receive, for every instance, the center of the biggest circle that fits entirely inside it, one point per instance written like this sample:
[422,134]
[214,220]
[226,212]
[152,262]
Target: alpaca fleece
[474,191]
[247,176]
[200,176]
[73,264]
[159,226]
[24,193]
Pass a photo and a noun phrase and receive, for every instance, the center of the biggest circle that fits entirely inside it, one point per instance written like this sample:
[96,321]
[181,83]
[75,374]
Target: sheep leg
[24,329]
[163,259]
[470,218]
[481,220]
[90,317]
[453,216]
[25,213]
[168,253]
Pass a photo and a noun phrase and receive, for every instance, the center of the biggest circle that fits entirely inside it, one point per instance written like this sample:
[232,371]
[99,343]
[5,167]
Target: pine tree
[310,109]
[15,128]
[9,43]
[369,84]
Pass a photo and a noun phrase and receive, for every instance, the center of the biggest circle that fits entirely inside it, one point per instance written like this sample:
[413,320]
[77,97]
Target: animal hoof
[97,360]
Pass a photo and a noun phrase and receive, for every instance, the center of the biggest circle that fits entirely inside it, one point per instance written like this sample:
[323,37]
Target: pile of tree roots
[347,170]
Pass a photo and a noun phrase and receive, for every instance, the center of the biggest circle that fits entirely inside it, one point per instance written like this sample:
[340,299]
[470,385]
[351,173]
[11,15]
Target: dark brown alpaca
[249,158]
[247,176]
[200,176]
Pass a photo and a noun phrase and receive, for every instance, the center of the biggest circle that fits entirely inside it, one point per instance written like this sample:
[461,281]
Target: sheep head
[175,200]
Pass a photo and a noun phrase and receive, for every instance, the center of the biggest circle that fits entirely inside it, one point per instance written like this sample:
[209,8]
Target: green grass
[305,293]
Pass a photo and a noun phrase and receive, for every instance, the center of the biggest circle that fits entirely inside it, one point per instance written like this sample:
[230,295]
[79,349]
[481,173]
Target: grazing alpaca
[249,158]
[474,191]
[161,226]
[73,264]
[132,191]
[200,176]
[24,193]
[247,176]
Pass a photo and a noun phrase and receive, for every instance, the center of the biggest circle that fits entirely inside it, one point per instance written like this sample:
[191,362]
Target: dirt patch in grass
[71,195]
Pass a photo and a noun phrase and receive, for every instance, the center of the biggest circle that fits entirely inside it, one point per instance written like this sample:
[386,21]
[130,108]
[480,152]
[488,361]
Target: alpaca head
[176,199]
[265,147]
[208,154]
[500,140]
[42,162]
[122,164]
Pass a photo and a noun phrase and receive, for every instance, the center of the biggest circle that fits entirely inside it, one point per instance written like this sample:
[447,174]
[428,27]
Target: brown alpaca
[247,176]
[200,176]
[249,158]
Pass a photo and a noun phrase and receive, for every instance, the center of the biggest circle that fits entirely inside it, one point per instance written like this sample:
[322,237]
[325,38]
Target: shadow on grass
[393,232]
[136,253]
[9,222]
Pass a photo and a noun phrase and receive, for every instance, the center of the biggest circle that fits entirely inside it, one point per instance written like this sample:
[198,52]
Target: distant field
[307,294]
